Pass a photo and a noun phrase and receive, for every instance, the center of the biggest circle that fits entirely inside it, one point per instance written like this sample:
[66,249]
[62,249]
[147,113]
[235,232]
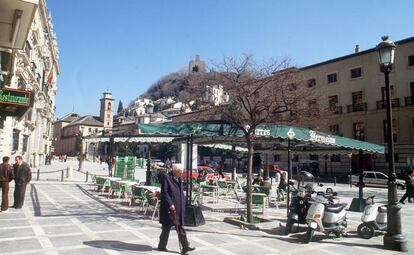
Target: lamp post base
[396,242]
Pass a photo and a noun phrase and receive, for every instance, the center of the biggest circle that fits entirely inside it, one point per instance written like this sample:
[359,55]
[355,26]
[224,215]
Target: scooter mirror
[335,193]
[321,185]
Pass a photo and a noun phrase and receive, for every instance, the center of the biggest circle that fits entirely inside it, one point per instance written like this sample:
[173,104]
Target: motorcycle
[299,205]
[325,215]
[374,220]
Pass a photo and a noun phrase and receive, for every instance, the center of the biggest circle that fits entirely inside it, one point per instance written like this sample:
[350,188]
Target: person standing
[22,176]
[6,176]
[409,188]
[172,209]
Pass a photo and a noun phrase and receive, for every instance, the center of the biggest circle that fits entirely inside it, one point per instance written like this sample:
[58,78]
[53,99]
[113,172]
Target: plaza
[69,217]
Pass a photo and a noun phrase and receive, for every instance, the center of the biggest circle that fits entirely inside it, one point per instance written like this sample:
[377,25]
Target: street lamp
[393,239]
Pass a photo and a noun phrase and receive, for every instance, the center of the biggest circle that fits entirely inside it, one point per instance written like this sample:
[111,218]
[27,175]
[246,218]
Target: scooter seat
[335,208]
[382,209]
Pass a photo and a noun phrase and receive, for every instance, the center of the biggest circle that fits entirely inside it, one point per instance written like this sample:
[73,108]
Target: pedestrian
[172,209]
[6,176]
[220,169]
[22,176]
[409,191]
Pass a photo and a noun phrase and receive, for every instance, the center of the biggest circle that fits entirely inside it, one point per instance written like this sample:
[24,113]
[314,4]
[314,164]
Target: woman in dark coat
[172,209]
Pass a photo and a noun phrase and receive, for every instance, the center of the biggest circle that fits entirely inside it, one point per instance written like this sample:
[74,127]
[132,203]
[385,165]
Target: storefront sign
[14,102]
[14,96]
[320,138]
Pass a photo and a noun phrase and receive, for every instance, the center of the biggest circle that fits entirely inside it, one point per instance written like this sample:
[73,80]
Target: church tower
[197,65]
[106,112]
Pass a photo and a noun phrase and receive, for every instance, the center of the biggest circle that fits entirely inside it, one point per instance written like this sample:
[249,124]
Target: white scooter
[374,220]
[326,216]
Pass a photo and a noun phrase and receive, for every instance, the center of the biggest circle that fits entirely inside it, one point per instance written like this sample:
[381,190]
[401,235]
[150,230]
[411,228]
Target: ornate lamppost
[393,239]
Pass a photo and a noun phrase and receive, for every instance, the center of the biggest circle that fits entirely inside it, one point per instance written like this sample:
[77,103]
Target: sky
[124,46]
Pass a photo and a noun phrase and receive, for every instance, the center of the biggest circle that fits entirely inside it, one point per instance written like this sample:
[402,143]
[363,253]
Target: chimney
[356,48]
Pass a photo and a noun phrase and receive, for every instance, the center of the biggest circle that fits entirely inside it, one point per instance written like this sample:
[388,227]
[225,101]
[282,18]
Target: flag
[50,78]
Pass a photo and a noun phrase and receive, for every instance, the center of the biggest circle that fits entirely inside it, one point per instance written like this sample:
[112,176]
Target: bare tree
[272,92]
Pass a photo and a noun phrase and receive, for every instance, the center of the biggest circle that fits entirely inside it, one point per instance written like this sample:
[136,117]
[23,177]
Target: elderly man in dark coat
[172,209]
[22,176]
[6,176]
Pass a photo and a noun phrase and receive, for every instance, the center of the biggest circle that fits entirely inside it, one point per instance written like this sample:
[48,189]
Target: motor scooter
[299,204]
[325,215]
[374,219]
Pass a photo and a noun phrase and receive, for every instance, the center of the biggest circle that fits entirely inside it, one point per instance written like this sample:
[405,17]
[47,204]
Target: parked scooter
[374,219]
[299,205]
[326,216]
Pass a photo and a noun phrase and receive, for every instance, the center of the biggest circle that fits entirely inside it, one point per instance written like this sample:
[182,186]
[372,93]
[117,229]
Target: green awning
[264,131]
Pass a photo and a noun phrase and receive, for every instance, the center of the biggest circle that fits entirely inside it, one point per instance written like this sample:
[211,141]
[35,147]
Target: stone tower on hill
[197,65]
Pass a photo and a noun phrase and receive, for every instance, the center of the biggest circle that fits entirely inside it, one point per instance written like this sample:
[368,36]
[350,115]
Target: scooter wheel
[309,234]
[289,226]
[365,231]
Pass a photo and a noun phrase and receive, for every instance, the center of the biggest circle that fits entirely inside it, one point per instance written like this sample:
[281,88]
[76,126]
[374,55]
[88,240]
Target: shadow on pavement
[118,246]
[35,200]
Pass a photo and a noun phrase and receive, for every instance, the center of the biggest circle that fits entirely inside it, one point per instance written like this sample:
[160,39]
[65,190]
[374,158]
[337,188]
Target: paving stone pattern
[69,218]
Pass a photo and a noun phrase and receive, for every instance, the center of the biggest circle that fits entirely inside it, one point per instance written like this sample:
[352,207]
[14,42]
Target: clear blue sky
[126,45]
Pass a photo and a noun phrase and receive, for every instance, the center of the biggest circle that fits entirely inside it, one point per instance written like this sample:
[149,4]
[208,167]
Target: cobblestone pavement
[70,218]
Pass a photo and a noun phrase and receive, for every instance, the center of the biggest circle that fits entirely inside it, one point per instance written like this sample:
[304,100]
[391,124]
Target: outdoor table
[152,189]
[215,191]
[260,199]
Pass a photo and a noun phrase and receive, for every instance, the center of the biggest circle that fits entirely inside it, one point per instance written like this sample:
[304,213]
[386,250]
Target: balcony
[381,104]
[361,107]
[409,100]
[334,109]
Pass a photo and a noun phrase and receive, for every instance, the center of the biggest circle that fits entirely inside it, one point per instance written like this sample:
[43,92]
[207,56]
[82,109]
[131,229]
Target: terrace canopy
[227,133]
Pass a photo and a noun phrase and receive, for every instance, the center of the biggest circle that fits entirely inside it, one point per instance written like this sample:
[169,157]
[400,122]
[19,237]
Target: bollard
[38,174]
[335,181]
[69,172]
[87,175]
[317,179]
[61,176]
[350,180]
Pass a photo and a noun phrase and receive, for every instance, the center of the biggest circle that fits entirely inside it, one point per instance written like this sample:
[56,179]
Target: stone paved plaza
[70,218]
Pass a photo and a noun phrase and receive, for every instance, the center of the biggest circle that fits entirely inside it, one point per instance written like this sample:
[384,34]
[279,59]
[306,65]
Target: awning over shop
[263,132]
[132,139]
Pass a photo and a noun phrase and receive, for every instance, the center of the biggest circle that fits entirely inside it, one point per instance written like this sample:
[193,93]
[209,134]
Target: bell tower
[106,112]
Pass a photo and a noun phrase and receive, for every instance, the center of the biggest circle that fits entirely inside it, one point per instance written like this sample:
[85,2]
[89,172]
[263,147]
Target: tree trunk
[249,180]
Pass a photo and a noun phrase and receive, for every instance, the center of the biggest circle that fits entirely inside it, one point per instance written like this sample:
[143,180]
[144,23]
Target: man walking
[22,176]
[6,176]
[172,209]
[409,188]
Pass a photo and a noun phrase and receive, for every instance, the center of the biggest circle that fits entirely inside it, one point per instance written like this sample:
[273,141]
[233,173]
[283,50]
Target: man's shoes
[402,202]
[5,211]
[162,249]
[410,201]
[187,249]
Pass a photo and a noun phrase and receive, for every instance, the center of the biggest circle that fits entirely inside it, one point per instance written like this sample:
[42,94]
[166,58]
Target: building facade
[33,68]
[353,87]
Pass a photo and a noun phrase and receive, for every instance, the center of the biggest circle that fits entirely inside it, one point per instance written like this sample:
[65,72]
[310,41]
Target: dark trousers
[408,193]
[19,192]
[165,233]
[4,195]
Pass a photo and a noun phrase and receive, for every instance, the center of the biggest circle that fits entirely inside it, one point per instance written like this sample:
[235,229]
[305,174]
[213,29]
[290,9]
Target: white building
[33,69]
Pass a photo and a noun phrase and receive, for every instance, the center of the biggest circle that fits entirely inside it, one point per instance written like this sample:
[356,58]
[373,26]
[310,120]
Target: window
[25,140]
[356,72]
[311,83]
[295,158]
[334,129]
[383,93]
[90,129]
[333,104]
[396,158]
[335,158]
[394,129]
[109,105]
[314,157]
[359,131]
[332,78]
[369,175]
[411,60]
[16,135]
[381,176]
[276,157]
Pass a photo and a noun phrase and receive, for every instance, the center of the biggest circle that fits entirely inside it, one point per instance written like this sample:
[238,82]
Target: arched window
[109,105]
